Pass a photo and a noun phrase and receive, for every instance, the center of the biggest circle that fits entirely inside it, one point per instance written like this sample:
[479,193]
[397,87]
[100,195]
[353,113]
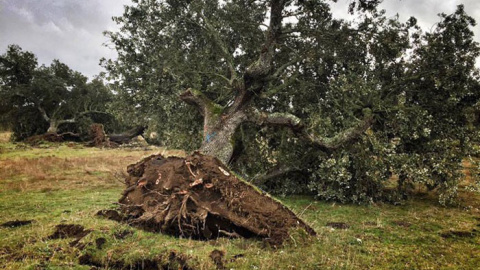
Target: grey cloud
[426,11]
[68,30]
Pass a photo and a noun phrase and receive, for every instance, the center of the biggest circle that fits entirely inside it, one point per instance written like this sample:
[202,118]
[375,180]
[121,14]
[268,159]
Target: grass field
[69,184]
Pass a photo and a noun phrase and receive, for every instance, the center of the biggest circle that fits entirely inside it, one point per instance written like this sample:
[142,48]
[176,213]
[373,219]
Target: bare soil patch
[459,234]
[110,214]
[63,231]
[69,231]
[338,225]
[122,234]
[217,258]
[99,242]
[198,197]
[402,223]
[16,223]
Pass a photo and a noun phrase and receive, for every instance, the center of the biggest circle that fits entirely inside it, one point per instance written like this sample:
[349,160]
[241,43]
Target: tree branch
[214,74]
[65,121]
[256,75]
[74,120]
[275,172]
[286,83]
[223,47]
[262,67]
[197,99]
[44,113]
[297,126]
[36,103]
[282,68]
[91,111]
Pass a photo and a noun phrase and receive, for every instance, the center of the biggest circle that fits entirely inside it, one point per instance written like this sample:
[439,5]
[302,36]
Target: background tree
[41,99]
[298,93]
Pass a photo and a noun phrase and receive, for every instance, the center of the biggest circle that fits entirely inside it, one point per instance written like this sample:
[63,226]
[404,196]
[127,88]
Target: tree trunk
[218,134]
[53,128]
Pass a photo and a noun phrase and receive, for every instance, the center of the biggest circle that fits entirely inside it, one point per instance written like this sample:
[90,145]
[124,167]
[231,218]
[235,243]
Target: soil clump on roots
[198,197]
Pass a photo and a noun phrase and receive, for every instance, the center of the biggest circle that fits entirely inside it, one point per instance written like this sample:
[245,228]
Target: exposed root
[197,197]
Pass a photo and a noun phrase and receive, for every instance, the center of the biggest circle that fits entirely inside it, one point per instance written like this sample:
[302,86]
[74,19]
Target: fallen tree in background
[97,137]
[127,136]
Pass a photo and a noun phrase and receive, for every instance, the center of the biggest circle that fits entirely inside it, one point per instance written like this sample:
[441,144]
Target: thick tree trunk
[219,125]
[53,126]
[218,135]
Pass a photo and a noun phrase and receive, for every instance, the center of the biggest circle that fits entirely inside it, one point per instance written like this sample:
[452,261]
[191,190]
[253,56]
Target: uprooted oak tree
[299,101]
[358,107]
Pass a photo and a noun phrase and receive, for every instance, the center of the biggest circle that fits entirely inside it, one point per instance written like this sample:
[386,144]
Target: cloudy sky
[426,11]
[68,30]
[71,30]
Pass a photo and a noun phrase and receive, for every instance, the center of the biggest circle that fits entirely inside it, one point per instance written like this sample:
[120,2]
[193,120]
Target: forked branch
[298,127]
[197,99]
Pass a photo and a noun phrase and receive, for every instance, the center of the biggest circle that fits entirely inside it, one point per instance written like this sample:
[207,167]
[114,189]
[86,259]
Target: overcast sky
[68,30]
[71,30]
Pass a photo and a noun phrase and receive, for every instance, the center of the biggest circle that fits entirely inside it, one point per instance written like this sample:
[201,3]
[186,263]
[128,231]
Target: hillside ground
[67,184]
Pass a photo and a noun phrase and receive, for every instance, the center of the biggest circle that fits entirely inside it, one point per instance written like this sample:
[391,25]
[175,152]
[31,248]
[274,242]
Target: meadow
[67,184]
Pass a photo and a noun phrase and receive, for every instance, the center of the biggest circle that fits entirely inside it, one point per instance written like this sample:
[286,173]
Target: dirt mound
[99,242]
[98,137]
[199,197]
[110,214]
[63,231]
[122,234]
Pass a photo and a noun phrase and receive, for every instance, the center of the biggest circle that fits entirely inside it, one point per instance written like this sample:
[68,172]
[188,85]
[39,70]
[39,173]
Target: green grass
[73,184]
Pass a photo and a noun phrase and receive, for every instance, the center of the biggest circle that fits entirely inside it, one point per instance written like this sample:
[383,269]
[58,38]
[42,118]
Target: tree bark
[219,125]
[53,127]
[219,141]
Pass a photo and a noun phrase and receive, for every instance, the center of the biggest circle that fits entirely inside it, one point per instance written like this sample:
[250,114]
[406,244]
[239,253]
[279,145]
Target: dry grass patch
[58,168]
[59,173]
[5,136]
